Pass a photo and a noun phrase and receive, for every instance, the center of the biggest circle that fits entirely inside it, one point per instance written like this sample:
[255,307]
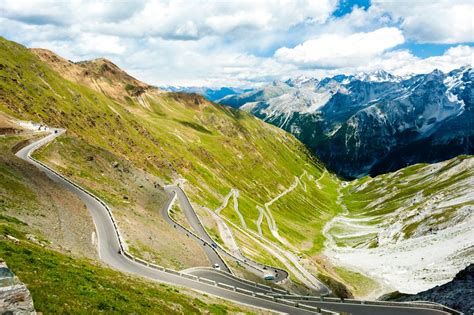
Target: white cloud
[36,12]
[336,50]
[441,21]
[402,62]
[99,44]
[40,12]
[169,18]
[190,63]
[206,42]
[84,46]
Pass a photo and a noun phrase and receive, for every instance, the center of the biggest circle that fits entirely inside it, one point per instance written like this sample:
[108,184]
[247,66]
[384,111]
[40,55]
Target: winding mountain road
[204,239]
[112,253]
[110,249]
[213,250]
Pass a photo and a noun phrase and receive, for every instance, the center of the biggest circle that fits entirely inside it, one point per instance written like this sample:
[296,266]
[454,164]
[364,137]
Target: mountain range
[371,123]
[257,190]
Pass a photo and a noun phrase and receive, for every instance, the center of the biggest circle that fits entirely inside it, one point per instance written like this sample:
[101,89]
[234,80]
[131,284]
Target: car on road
[217,267]
[214,245]
[269,277]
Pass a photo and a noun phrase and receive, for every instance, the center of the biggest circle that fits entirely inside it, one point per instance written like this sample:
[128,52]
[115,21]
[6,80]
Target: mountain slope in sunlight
[116,143]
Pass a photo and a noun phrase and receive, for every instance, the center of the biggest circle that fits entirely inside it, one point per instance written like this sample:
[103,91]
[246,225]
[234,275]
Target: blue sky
[345,6]
[248,42]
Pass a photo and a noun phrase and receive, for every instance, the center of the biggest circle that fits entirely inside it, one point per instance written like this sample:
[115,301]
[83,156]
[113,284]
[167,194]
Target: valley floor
[413,265]
[425,238]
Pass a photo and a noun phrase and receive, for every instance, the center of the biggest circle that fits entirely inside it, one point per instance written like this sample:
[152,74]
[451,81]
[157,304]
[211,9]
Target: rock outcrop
[14,295]
[457,294]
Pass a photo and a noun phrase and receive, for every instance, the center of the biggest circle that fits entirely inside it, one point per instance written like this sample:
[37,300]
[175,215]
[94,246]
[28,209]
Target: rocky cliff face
[14,295]
[457,294]
[372,123]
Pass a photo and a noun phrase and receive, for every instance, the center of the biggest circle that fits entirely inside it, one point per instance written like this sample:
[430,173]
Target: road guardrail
[287,299]
[424,304]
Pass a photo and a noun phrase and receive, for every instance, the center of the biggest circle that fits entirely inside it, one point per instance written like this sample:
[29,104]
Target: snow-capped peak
[301,81]
[377,76]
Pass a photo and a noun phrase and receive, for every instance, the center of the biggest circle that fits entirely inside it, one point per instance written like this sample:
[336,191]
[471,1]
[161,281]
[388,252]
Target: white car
[217,267]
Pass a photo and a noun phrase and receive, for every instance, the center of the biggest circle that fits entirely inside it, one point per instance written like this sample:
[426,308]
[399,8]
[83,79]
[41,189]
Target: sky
[248,42]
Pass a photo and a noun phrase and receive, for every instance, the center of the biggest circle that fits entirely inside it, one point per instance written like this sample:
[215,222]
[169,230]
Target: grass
[316,206]
[360,284]
[88,164]
[62,284]
[405,193]
[214,148]
[178,215]
[230,214]
[13,190]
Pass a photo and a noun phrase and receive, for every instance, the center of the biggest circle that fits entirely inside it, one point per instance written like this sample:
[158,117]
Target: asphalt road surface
[358,309]
[193,220]
[108,248]
[227,279]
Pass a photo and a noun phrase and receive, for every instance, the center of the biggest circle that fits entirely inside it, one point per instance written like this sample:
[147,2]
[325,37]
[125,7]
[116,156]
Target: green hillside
[416,221]
[61,284]
[114,147]
[126,139]
[421,199]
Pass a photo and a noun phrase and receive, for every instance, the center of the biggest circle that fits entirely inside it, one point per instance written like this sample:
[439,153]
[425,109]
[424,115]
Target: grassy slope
[136,198]
[215,148]
[61,284]
[412,202]
[320,205]
[54,230]
[414,197]
[51,213]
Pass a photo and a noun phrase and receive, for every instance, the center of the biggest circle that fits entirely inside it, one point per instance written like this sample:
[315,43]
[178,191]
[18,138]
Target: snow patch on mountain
[377,76]
[366,123]
[454,81]
[302,81]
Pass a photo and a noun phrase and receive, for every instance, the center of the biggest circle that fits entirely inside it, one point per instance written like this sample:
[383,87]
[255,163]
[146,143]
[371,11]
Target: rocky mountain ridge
[99,74]
[371,123]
